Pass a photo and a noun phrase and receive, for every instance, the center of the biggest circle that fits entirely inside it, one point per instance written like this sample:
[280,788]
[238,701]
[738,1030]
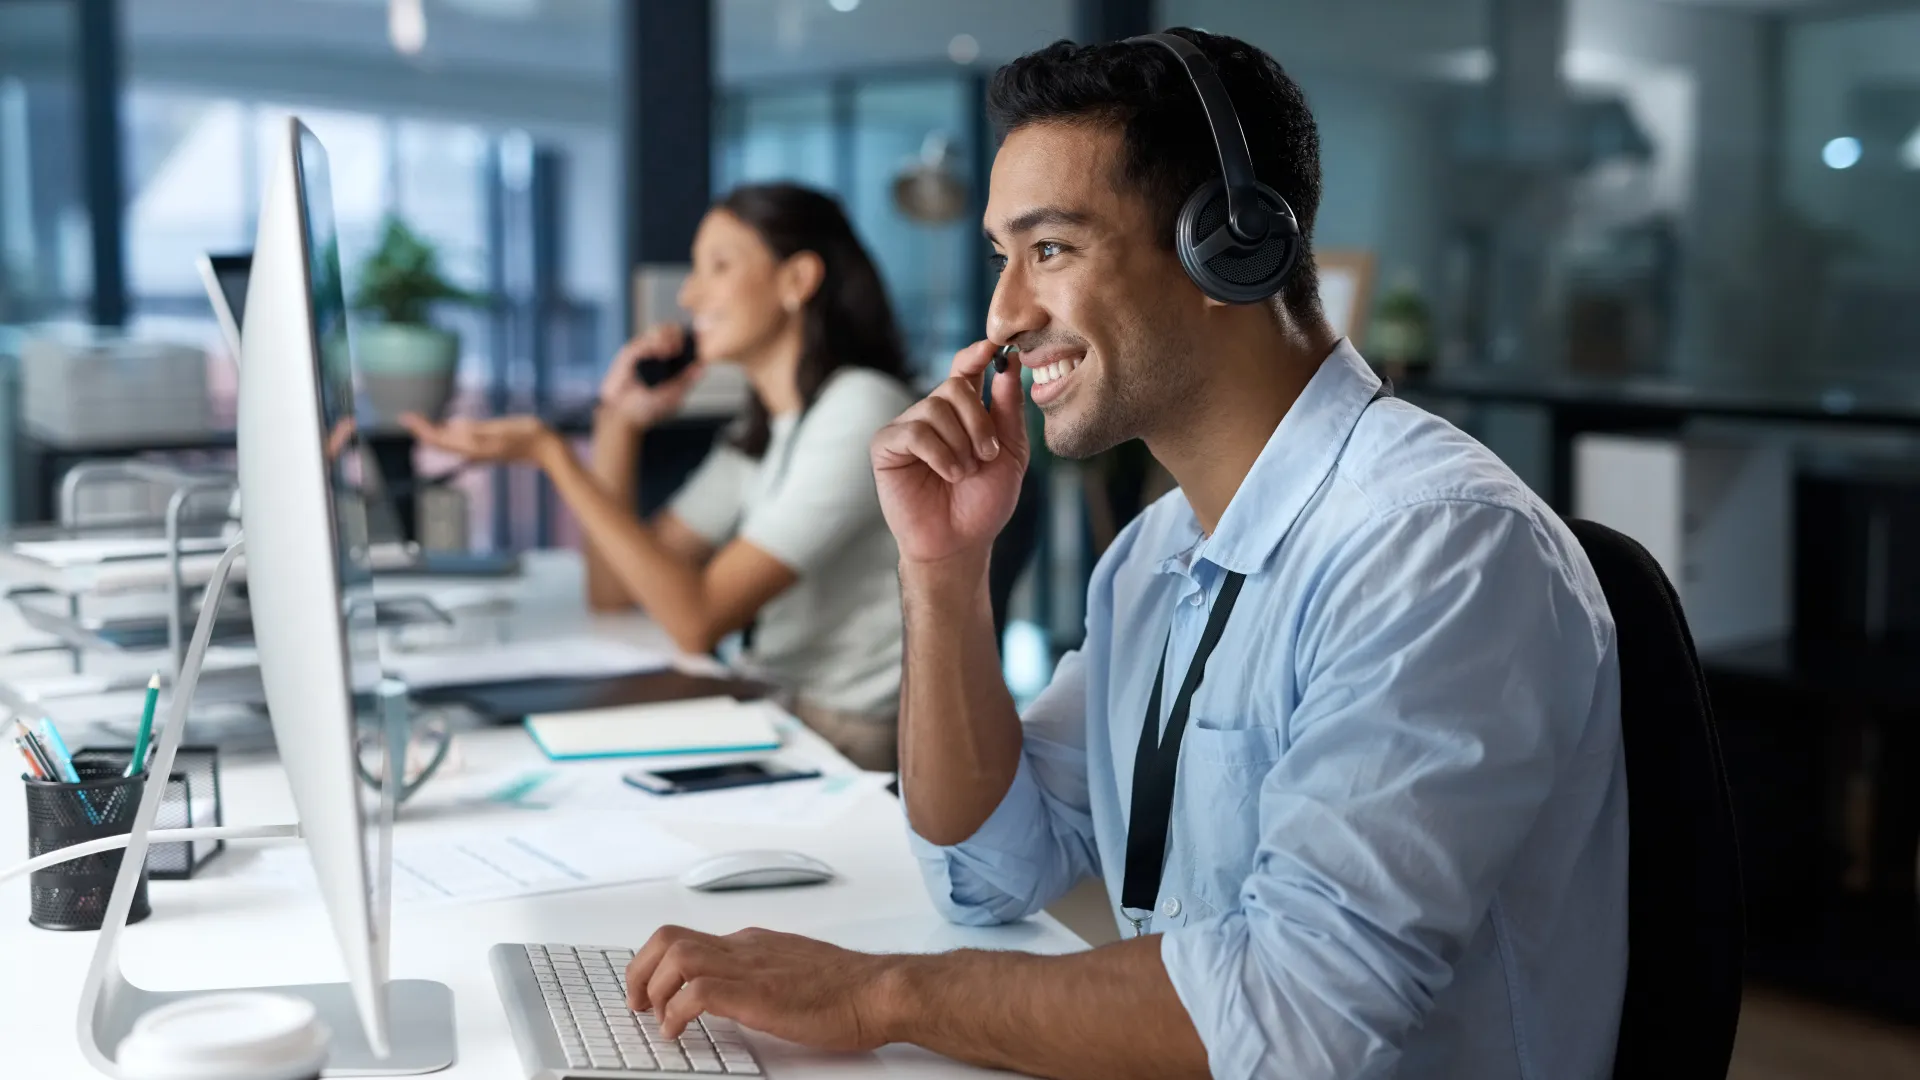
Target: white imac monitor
[309,578]
[305,543]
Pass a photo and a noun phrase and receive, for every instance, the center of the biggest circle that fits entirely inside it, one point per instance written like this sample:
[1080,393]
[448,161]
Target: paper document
[499,862]
[595,788]
[90,552]
[549,658]
[698,726]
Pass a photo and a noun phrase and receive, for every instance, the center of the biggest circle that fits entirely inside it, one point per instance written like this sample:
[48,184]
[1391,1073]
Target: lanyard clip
[1139,921]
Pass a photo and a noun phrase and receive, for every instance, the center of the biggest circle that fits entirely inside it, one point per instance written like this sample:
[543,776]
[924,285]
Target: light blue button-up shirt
[1399,832]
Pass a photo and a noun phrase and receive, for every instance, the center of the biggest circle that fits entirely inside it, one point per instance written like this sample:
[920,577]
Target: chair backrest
[1686,924]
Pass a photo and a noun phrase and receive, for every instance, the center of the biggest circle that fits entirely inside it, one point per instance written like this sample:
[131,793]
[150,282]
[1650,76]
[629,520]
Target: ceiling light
[1910,151]
[963,49]
[407,26]
[1841,153]
[844,5]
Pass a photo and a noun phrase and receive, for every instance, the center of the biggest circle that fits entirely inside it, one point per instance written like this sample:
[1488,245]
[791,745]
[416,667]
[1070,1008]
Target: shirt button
[1170,907]
[1197,599]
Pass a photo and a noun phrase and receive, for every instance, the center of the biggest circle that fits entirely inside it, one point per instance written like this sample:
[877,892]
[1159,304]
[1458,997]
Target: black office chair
[1686,923]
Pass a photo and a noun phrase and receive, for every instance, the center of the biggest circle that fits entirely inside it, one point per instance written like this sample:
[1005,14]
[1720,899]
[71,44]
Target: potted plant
[406,363]
[1402,331]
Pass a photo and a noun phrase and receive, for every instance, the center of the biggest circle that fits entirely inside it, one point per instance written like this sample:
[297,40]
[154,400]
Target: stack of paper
[82,551]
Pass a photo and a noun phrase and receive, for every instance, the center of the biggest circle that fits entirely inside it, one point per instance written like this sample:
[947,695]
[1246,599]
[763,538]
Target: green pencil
[139,762]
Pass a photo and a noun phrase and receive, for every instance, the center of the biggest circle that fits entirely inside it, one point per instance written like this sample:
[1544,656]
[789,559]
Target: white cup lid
[246,1035]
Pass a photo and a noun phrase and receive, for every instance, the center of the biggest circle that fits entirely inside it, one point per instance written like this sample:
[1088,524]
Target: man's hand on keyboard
[799,989]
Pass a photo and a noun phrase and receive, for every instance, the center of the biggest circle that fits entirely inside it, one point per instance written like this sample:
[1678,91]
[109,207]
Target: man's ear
[799,277]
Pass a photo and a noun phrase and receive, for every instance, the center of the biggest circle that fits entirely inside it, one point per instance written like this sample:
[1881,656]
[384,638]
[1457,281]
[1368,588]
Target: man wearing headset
[1343,739]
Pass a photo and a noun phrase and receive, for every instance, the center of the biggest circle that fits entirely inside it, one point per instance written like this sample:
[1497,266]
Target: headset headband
[1246,219]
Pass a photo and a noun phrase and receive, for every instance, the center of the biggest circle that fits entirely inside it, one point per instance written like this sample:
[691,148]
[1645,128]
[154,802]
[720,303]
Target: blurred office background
[1670,247]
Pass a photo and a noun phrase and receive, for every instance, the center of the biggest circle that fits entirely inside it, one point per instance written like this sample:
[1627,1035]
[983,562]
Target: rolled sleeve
[1039,840]
[1447,684]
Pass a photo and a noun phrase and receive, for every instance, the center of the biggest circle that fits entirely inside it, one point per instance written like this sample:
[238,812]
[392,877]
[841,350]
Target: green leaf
[401,278]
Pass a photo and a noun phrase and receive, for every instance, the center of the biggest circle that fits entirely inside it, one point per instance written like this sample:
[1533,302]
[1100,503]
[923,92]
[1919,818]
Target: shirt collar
[1297,459]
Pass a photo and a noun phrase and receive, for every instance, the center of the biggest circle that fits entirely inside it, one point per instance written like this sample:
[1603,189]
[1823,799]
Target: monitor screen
[348,468]
[345,451]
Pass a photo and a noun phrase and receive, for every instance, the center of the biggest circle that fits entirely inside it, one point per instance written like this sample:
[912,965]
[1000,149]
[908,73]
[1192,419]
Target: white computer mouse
[756,870]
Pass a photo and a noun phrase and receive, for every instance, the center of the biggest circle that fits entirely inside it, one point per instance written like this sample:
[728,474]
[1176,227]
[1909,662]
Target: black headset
[1236,237]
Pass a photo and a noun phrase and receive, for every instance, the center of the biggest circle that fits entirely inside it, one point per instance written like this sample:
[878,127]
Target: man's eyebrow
[1036,217]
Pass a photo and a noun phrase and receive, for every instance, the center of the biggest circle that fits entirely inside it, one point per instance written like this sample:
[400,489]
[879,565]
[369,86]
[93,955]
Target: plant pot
[406,369]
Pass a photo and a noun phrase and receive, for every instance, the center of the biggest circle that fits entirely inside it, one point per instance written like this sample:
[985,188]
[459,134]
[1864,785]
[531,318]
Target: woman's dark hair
[1168,145]
[849,322]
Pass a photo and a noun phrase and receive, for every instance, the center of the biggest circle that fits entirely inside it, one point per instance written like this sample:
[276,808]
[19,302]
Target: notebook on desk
[697,726]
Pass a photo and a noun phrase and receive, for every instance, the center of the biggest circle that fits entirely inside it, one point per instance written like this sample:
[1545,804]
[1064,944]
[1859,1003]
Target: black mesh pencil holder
[192,800]
[74,895]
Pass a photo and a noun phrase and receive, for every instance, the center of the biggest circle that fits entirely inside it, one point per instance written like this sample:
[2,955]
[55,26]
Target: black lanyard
[1156,764]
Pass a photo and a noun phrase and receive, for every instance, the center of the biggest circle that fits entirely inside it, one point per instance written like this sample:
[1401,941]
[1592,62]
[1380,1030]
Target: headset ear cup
[1237,273]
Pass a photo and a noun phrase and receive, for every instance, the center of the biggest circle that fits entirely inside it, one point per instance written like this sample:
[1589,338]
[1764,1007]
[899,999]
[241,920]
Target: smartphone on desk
[715,777]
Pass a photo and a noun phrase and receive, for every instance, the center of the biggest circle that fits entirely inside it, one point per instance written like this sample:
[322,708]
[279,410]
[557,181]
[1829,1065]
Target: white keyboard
[567,1006]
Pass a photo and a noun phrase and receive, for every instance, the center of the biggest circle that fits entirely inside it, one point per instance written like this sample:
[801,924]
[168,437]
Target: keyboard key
[743,1068]
[675,1065]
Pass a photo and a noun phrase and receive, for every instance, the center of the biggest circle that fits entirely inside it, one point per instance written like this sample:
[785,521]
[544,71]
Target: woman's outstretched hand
[503,439]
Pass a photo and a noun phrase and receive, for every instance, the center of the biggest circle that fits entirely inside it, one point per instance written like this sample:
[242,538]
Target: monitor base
[420,1016]
[421,1013]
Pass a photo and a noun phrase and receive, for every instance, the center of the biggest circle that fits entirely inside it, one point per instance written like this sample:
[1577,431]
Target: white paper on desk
[93,551]
[550,658]
[791,804]
[496,862]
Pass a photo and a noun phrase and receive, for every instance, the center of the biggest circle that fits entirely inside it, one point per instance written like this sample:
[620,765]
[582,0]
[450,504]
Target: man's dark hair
[1169,147]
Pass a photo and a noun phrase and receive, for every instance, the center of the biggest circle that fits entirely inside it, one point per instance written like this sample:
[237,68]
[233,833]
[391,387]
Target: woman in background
[779,529]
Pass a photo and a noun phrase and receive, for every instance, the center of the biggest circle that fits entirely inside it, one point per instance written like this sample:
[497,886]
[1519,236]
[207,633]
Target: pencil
[138,763]
[31,743]
[33,764]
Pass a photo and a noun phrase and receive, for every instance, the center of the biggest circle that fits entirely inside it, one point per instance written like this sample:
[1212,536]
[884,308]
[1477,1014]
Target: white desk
[214,932]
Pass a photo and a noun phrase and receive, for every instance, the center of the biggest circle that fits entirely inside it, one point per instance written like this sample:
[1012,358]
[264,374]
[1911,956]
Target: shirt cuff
[994,875]
[1205,961]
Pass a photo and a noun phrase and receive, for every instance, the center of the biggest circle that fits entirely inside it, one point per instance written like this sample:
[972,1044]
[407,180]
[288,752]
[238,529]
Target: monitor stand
[420,1012]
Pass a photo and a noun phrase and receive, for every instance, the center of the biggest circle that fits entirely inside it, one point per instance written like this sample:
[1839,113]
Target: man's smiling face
[1093,296]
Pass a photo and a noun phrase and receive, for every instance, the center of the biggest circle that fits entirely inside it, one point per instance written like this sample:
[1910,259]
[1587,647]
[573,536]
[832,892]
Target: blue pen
[57,749]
